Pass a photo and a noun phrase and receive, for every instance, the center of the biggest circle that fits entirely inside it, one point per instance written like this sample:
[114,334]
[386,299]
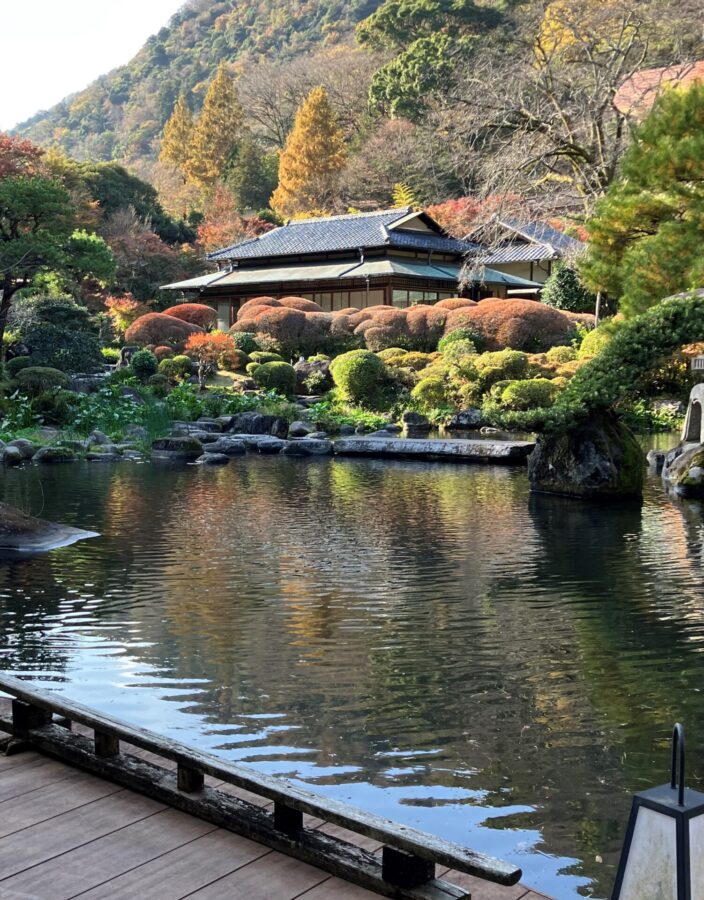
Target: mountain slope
[121,115]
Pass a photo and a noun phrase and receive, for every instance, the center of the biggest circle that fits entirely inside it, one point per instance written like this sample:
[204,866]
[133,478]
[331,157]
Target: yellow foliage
[217,131]
[314,155]
[176,139]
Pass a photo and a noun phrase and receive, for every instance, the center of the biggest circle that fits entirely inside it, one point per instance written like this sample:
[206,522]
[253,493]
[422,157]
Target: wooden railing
[405,868]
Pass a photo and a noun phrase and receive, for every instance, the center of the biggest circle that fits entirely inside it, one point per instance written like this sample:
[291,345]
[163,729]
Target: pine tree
[253,175]
[646,235]
[217,131]
[177,136]
[314,155]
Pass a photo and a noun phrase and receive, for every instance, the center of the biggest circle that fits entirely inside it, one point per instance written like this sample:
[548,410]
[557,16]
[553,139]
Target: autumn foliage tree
[207,350]
[313,158]
[177,136]
[223,225]
[217,131]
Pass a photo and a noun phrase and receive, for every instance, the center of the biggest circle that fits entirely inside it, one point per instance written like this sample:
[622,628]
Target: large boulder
[258,423]
[177,449]
[320,383]
[599,459]
[20,533]
[684,470]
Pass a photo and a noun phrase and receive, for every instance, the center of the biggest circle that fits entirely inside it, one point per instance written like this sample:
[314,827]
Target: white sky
[52,48]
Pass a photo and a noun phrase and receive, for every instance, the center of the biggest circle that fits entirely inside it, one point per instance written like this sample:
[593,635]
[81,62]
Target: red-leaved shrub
[247,308]
[301,304]
[163,353]
[455,303]
[519,324]
[161,330]
[195,313]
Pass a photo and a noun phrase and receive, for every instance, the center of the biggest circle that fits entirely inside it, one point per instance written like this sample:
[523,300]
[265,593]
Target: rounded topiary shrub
[561,354]
[358,375]
[160,384]
[144,364]
[430,393]
[15,366]
[597,339]
[245,341]
[195,314]
[252,367]
[37,379]
[261,356]
[160,330]
[163,353]
[462,334]
[408,359]
[276,376]
[564,290]
[535,393]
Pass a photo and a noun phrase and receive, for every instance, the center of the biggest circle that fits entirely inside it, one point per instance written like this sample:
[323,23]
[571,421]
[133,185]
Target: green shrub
[318,357]
[159,384]
[561,354]
[144,364]
[37,379]
[263,356]
[501,365]
[459,349]
[15,366]
[430,393]
[110,354]
[597,339]
[177,368]
[462,334]
[276,376]
[564,290]
[54,407]
[245,341]
[252,367]
[411,360]
[524,394]
[60,348]
[390,353]
[358,375]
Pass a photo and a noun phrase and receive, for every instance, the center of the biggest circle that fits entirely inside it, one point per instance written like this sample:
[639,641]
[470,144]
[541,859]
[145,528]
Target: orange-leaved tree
[313,158]
[177,136]
[217,131]
[207,350]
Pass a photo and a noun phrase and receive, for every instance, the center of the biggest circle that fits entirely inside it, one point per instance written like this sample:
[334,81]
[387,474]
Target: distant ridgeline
[121,115]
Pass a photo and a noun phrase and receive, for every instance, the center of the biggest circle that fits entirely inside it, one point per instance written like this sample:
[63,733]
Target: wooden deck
[66,833]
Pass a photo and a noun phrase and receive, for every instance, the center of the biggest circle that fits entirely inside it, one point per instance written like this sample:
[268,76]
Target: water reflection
[422,640]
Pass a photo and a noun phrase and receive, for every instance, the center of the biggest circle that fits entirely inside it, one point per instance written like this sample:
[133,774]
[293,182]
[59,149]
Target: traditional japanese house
[395,257]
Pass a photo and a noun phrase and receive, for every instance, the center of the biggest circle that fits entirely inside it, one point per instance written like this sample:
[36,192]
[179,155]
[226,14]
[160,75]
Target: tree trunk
[7,292]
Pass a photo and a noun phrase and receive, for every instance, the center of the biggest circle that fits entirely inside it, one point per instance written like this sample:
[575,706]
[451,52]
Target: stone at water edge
[308,447]
[415,421]
[299,429]
[466,418]
[656,459]
[12,456]
[177,449]
[227,445]
[26,447]
[212,459]
[21,533]
[600,459]
[54,455]
[685,473]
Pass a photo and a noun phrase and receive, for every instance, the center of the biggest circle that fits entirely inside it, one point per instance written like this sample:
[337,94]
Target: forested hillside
[121,115]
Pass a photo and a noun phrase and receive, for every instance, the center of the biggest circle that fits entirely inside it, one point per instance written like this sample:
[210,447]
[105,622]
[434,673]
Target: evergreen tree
[177,136]
[648,231]
[564,290]
[314,155]
[253,175]
[217,132]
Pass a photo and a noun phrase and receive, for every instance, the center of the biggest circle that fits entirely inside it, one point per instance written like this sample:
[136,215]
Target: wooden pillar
[25,717]
[106,745]
[405,869]
[190,781]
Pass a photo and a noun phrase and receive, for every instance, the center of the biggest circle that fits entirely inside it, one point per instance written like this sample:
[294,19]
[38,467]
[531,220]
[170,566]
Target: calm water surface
[422,640]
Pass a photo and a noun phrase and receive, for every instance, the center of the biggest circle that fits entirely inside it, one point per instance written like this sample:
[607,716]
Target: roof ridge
[401,210]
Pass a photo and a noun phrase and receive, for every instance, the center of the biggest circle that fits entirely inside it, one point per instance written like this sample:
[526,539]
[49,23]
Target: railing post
[106,745]
[190,781]
[288,820]
[404,869]
[25,717]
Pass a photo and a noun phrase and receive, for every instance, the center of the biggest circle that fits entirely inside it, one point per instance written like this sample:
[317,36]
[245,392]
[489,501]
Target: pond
[425,641]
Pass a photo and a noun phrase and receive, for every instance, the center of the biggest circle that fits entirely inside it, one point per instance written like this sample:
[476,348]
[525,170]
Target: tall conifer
[312,159]
[177,136]
[217,131]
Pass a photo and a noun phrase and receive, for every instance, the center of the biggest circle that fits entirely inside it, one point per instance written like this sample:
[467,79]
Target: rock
[12,456]
[54,455]
[257,423]
[132,394]
[599,459]
[87,383]
[262,443]
[76,446]
[133,455]
[26,448]
[103,456]
[226,445]
[213,459]
[207,424]
[137,433]
[487,429]
[177,449]
[415,421]
[656,459]
[226,422]
[393,429]
[360,429]
[25,534]
[394,447]
[299,429]
[466,418]
[205,437]
[319,371]
[347,429]
[308,447]
[685,473]
[126,354]
[98,438]
[317,436]
[383,432]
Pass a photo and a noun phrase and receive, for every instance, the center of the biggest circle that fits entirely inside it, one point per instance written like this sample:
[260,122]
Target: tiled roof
[637,94]
[340,233]
[519,251]
[542,233]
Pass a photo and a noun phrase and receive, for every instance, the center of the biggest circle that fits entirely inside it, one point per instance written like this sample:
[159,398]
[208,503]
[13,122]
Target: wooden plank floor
[65,833]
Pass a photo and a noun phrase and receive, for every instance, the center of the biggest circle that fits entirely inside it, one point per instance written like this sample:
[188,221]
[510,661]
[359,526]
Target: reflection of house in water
[393,257]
